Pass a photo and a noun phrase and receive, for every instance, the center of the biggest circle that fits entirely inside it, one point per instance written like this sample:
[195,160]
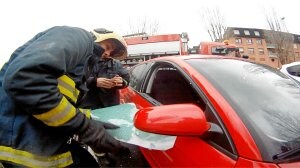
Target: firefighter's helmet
[102,34]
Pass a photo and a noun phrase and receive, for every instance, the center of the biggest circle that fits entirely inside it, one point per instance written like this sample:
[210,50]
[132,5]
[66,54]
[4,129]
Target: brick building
[257,44]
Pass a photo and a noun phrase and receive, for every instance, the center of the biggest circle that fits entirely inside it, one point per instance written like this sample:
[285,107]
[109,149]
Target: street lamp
[283,24]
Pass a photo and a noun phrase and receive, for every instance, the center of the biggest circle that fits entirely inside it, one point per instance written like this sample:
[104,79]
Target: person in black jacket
[107,75]
[39,93]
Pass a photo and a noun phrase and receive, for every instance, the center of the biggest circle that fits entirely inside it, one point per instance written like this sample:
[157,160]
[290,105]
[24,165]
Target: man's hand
[94,134]
[105,83]
[118,80]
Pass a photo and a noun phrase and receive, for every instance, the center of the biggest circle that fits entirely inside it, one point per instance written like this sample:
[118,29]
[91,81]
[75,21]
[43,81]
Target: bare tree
[279,37]
[214,23]
[143,26]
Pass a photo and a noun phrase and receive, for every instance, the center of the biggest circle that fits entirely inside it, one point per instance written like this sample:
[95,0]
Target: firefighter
[38,102]
[107,75]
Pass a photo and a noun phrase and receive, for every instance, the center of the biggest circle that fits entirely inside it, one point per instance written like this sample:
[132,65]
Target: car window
[294,70]
[168,85]
[136,75]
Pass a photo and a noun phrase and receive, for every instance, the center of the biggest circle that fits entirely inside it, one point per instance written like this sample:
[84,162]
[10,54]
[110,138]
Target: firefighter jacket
[100,97]
[38,97]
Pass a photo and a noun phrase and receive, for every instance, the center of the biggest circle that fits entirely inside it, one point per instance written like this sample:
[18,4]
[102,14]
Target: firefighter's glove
[94,134]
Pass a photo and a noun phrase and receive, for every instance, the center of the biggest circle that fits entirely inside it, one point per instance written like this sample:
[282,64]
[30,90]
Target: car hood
[289,165]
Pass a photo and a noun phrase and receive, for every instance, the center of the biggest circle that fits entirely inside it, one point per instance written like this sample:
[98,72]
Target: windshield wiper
[287,154]
[292,149]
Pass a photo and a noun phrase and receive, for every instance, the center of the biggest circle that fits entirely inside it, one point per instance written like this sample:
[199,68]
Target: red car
[225,112]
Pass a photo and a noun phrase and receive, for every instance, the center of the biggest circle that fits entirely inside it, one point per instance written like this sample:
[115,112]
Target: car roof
[196,56]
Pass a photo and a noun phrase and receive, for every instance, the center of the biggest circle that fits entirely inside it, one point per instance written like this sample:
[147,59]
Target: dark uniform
[101,97]
[38,98]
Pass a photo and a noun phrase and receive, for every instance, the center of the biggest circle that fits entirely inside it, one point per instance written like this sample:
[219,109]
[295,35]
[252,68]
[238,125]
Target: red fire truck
[145,47]
[216,48]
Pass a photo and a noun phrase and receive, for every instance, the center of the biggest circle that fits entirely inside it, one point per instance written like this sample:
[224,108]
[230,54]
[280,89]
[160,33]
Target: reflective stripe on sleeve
[87,112]
[59,115]
[67,87]
[30,160]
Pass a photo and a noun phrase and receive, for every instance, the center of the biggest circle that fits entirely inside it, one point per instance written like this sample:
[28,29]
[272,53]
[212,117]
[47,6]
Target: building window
[236,32]
[258,41]
[297,54]
[238,41]
[247,32]
[241,49]
[262,59]
[256,33]
[261,51]
[295,46]
[251,50]
[298,38]
[249,41]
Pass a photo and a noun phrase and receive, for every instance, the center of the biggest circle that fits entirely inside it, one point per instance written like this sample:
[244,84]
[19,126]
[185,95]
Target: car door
[163,83]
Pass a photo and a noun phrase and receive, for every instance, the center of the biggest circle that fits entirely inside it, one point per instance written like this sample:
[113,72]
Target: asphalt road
[132,159]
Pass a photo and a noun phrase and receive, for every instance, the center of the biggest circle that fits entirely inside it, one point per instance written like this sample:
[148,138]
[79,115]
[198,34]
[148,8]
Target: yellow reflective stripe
[67,87]
[59,115]
[30,160]
[87,112]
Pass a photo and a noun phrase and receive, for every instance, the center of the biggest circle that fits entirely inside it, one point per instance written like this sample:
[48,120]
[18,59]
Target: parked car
[292,69]
[225,112]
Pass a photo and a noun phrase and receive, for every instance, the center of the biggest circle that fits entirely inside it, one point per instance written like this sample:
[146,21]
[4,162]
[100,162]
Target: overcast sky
[22,19]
